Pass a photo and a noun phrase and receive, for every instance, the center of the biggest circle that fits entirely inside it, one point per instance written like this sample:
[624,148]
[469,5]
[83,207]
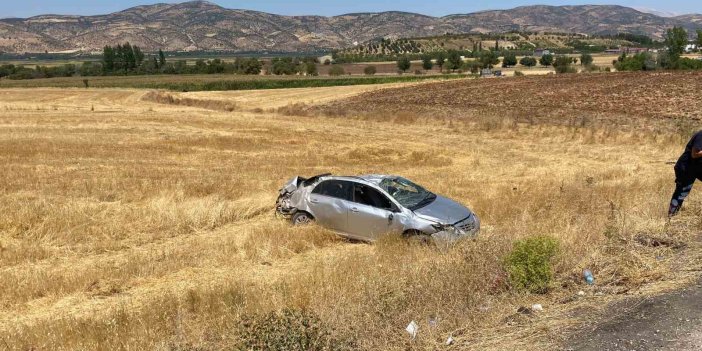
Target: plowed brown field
[620,98]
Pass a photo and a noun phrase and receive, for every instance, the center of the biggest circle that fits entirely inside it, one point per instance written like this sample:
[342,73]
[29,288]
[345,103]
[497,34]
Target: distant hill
[201,25]
[692,20]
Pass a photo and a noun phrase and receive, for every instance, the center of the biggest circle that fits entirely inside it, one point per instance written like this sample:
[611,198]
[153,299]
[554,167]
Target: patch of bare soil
[671,321]
[667,322]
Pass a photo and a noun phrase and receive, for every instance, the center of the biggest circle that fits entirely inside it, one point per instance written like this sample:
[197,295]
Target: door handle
[354,209]
[314,201]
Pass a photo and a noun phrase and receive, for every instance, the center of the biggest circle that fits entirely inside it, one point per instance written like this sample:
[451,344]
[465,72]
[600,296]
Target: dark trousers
[684,179]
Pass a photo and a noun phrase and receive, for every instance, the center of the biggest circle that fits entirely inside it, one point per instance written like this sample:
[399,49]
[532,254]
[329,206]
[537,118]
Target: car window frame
[393,206]
[349,195]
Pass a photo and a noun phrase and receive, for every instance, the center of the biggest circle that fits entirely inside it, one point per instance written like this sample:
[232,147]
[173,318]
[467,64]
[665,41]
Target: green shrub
[336,71]
[529,263]
[528,61]
[290,330]
[369,70]
[518,74]
[562,64]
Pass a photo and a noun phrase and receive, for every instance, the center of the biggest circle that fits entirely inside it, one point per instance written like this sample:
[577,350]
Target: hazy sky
[26,8]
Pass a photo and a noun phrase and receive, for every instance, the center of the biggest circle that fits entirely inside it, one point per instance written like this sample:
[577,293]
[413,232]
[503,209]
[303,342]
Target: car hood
[443,210]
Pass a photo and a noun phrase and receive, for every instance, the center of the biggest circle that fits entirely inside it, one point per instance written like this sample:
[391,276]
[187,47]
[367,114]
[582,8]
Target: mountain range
[202,25]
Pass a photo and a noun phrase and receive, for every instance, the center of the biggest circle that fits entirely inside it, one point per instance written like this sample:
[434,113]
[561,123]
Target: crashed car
[365,207]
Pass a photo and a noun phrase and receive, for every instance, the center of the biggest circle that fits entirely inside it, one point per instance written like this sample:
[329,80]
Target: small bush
[529,263]
[592,68]
[518,74]
[369,70]
[289,330]
[336,71]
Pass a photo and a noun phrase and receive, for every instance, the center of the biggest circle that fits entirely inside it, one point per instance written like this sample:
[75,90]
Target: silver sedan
[366,207]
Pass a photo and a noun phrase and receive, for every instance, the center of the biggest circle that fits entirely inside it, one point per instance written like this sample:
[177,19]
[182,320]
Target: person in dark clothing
[687,170]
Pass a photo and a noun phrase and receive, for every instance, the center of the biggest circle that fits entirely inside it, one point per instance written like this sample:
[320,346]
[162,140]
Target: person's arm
[696,153]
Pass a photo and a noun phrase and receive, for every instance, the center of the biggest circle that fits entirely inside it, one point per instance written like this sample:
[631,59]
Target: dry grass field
[129,224]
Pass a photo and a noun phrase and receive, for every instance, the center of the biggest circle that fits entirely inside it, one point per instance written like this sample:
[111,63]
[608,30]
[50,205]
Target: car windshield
[408,194]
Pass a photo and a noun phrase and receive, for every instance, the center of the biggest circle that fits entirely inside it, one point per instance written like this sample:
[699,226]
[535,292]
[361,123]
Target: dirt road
[668,322]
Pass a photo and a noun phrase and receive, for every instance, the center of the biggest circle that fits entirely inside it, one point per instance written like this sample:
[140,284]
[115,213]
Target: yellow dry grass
[129,224]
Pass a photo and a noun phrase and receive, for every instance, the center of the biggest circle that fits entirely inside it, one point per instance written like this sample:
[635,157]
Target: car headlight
[451,229]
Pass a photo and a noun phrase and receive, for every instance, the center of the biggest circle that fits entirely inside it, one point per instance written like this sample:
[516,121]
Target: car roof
[374,179]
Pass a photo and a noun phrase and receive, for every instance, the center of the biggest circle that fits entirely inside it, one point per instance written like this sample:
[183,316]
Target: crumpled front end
[284,204]
[291,195]
[448,234]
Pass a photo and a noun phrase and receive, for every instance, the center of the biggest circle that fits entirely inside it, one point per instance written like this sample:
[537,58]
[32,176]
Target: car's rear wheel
[301,218]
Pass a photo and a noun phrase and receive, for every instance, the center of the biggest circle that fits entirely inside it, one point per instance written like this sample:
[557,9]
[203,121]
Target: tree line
[126,59]
[676,41]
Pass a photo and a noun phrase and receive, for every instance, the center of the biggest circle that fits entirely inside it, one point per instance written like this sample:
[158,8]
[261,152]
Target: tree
[284,66]
[699,39]
[369,70]
[108,59]
[90,69]
[427,63]
[251,66]
[161,58]
[488,59]
[562,64]
[546,60]
[119,58]
[336,70]
[509,60]
[473,66]
[454,60]
[586,59]
[180,66]
[640,62]
[311,69]
[129,58]
[404,63]
[440,60]
[676,40]
[138,55]
[528,61]
[6,70]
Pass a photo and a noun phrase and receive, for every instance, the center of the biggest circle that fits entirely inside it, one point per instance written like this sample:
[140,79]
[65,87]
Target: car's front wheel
[301,218]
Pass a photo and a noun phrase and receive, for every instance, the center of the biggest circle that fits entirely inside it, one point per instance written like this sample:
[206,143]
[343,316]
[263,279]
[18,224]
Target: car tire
[301,218]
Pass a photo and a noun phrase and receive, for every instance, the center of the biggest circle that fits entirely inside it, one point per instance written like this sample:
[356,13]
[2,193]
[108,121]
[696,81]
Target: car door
[371,213]
[330,202]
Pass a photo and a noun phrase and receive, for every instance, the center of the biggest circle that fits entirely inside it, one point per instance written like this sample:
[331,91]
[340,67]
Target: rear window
[334,188]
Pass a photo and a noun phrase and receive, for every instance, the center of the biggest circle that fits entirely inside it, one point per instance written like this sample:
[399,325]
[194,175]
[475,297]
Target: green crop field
[216,82]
